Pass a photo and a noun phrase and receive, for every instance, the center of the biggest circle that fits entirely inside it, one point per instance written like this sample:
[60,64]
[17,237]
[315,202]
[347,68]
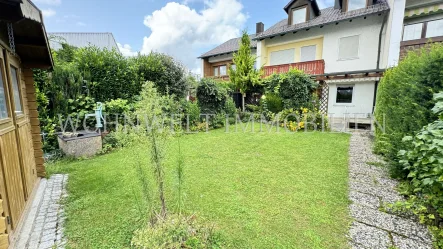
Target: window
[283,57]
[348,48]
[308,53]
[3,107]
[412,32]
[215,71]
[223,70]
[435,28]
[299,15]
[344,94]
[234,67]
[16,91]
[356,4]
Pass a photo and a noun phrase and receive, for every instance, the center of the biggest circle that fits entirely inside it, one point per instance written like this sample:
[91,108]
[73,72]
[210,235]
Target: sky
[184,29]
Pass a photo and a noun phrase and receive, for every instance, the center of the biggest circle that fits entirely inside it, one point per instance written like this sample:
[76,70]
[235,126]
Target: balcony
[309,67]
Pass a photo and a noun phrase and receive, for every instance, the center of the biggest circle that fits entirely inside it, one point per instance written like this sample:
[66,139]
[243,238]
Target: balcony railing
[310,67]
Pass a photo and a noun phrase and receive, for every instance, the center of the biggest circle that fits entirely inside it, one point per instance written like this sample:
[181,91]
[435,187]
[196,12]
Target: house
[419,23]
[23,46]
[341,47]
[81,40]
[216,62]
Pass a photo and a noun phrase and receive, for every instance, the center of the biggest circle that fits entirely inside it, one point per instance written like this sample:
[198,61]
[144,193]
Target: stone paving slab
[370,188]
[46,230]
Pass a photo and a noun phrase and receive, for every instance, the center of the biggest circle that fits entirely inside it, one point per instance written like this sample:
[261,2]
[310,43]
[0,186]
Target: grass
[260,190]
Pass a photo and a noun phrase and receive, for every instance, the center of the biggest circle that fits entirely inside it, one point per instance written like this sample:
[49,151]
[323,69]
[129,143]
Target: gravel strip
[370,188]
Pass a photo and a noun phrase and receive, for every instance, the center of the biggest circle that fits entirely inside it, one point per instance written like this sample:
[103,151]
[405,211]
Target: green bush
[302,119]
[193,110]
[423,164]
[295,88]
[230,108]
[273,102]
[405,99]
[117,106]
[176,232]
[169,76]
[211,96]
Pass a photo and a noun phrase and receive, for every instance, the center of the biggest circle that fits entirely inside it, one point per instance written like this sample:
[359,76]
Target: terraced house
[423,23]
[344,47]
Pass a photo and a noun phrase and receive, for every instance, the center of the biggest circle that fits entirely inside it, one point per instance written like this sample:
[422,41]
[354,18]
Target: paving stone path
[370,188]
[46,229]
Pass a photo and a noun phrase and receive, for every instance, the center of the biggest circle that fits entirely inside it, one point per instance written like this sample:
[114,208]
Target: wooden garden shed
[23,46]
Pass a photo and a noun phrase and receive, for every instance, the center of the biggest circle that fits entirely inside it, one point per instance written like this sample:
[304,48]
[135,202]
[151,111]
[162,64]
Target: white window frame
[336,95]
[305,8]
[427,29]
[358,49]
[411,24]
[315,52]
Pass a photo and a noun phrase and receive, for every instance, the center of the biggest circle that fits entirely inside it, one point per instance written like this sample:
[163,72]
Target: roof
[313,2]
[80,40]
[327,16]
[230,46]
[31,42]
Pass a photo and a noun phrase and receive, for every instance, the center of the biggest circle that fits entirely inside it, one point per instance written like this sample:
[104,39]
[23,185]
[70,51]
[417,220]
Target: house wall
[362,99]
[368,30]
[297,46]
[219,60]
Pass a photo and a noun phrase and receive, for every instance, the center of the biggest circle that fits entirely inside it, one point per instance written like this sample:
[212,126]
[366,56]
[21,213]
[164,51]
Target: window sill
[349,59]
[343,105]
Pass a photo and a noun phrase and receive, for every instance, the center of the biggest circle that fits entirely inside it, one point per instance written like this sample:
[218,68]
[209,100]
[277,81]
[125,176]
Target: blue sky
[184,29]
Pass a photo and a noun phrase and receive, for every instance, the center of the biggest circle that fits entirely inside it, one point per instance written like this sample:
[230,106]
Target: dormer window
[356,4]
[299,15]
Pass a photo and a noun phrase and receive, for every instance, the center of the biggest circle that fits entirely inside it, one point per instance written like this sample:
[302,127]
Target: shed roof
[80,40]
[31,41]
[327,16]
[230,46]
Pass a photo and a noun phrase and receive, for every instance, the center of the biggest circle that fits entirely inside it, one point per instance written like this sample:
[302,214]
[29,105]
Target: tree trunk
[243,101]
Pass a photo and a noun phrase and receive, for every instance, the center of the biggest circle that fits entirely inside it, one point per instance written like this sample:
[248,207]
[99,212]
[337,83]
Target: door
[17,171]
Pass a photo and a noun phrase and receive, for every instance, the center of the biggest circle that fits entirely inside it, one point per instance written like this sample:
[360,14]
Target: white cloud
[126,50]
[81,24]
[181,31]
[48,2]
[48,12]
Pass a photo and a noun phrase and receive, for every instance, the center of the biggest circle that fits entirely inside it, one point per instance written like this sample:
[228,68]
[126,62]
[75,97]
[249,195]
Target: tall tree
[244,76]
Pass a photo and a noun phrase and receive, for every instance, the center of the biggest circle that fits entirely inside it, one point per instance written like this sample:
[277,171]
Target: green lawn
[260,190]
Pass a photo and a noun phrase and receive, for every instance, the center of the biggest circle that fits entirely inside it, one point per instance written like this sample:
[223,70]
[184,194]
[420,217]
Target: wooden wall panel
[28,159]
[13,176]
[35,130]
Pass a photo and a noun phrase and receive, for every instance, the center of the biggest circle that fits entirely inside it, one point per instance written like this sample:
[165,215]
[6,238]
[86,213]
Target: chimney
[260,28]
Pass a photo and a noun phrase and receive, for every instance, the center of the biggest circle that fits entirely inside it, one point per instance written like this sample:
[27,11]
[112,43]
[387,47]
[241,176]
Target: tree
[244,76]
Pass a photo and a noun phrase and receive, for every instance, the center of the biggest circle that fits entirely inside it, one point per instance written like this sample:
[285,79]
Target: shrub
[295,88]
[211,97]
[302,119]
[193,110]
[273,102]
[169,76]
[118,106]
[176,232]
[230,108]
[405,99]
[423,164]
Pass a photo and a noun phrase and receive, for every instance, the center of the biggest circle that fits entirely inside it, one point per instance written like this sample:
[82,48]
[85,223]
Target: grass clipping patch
[176,232]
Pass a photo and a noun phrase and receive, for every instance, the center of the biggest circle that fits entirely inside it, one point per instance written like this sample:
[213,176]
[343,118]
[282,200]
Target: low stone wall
[82,146]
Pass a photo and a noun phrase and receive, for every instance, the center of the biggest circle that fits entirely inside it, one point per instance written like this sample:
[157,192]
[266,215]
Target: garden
[183,165]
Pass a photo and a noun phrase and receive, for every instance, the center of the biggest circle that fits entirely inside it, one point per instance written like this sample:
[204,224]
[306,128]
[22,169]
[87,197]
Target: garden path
[43,227]
[370,189]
